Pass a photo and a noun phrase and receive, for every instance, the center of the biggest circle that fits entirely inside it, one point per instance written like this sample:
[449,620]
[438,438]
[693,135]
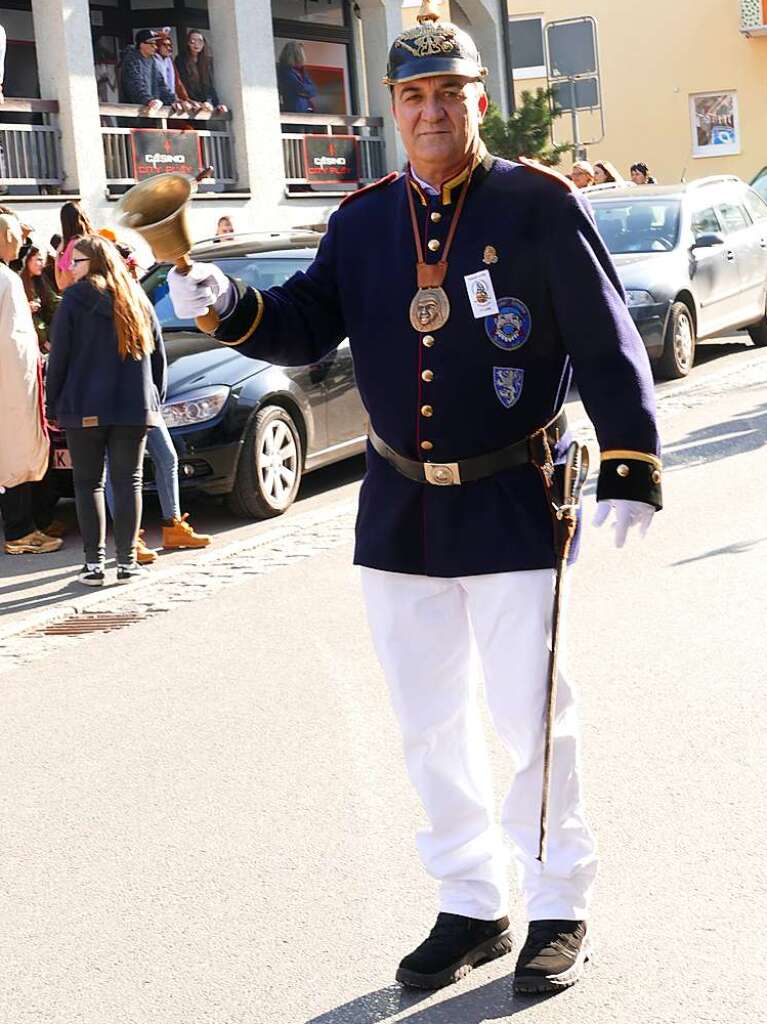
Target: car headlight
[195,407]
[635,297]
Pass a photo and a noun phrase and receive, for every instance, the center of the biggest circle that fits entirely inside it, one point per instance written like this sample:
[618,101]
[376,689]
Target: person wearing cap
[471,289]
[141,79]
[582,174]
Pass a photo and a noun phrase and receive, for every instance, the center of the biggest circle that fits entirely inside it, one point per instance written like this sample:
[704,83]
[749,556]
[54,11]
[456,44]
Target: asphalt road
[206,820]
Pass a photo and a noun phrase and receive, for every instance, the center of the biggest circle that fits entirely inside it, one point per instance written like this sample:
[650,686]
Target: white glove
[194,293]
[627,514]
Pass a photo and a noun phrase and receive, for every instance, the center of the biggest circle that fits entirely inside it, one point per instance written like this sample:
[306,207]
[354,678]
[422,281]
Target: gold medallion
[429,309]
[489,256]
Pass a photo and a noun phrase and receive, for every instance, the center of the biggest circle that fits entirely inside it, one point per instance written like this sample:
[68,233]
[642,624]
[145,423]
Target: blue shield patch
[510,327]
[508,384]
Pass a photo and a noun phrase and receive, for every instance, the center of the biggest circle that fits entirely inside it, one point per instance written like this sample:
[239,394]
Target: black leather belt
[444,474]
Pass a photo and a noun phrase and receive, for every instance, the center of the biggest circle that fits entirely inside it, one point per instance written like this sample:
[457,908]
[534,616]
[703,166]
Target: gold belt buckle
[442,474]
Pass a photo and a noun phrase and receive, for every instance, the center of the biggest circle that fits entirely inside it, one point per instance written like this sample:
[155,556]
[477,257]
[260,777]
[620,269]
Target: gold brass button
[427,446]
[433,244]
[623,470]
[427,375]
[428,340]
[435,216]
[656,476]
[426,410]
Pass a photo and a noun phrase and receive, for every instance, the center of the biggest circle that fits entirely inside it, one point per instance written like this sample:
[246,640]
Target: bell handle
[209,321]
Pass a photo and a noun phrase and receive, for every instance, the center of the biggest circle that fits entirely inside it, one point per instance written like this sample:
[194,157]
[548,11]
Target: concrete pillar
[246,80]
[381,23]
[484,27]
[65,63]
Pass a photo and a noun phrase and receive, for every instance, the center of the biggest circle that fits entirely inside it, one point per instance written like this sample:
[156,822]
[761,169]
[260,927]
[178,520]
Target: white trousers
[428,632]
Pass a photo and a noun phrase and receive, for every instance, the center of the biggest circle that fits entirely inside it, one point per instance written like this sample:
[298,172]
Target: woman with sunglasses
[105,385]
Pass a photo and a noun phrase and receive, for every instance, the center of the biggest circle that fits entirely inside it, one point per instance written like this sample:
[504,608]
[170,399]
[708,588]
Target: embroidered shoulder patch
[548,172]
[369,188]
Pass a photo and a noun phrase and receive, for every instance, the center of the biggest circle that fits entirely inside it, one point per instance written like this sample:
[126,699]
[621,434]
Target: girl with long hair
[606,173]
[195,69]
[42,298]
[105,386]
[75,223]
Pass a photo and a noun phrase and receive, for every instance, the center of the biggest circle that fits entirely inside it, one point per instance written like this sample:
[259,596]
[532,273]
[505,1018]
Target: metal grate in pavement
[88,622]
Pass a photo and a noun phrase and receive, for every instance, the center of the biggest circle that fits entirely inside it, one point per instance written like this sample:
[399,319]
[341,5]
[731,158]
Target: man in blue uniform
[471,289]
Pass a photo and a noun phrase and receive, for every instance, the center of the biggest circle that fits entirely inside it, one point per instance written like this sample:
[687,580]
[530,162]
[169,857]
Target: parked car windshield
[258,272]
[638,225]
[759,184]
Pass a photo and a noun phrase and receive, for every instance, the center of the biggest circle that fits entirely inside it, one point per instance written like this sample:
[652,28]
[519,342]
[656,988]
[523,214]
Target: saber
[575,472]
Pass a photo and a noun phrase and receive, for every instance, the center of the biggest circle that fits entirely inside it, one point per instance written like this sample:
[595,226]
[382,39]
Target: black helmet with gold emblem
[433,47]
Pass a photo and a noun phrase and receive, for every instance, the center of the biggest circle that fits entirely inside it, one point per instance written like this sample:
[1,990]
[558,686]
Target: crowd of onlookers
[602,172]
[82,355]
[152,77]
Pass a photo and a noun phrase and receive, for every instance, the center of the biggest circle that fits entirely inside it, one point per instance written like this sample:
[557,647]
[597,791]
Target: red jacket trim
[368,188]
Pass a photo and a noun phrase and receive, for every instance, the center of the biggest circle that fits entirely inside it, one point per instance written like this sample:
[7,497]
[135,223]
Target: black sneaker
[454,947]
[129,573]
[553,956]
[91,577]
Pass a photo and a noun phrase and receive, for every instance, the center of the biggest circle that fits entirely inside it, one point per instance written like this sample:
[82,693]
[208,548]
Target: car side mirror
[708,240]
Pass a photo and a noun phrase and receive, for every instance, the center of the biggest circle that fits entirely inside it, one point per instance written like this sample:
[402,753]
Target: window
[755,205]
[644,226]
[319,85]
[321,12]
[715,124]
[732,216]
[526,41]
[705,222]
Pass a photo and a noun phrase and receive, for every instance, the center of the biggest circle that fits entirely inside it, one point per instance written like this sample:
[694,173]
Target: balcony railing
[120,120]
[29,152]
[367,130]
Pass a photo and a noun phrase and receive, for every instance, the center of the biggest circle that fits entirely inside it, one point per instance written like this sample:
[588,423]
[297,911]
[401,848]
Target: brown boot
[144,555]
[35,543]
[181,535]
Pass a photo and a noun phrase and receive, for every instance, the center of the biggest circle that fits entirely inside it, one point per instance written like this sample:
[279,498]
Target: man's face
[580,178]
[10,240]
[439,118]
[638,178]
[165,48]
[148,48]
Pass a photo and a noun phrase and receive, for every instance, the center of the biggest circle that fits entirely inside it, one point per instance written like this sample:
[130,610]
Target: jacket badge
[489,256]
[510,327]
[508,383]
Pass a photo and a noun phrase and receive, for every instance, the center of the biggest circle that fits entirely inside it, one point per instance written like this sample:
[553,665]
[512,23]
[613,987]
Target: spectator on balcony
[23,438]
[42,298]
[140,78]
[74,225]
[195,71]
[167,66]
[297,90]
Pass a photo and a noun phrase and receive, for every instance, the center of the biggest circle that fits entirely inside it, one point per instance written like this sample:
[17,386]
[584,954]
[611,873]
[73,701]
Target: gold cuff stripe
[252,327]
[620,453]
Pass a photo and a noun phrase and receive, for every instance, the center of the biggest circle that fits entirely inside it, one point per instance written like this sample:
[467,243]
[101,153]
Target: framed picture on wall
[715,124]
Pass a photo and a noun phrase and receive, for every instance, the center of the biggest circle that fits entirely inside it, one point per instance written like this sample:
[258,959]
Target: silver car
[693,261]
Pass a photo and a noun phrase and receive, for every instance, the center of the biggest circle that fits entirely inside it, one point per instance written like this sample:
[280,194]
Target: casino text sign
[160,152]
[331,159]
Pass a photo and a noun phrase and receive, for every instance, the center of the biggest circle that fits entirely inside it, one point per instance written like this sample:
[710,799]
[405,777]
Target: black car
[692,259]
[243,428]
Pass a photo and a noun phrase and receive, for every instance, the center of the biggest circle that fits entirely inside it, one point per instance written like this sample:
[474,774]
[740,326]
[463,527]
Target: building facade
[308,115]
[683,84]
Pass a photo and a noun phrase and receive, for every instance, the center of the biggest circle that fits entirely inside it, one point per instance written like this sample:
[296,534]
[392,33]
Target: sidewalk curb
[207,556]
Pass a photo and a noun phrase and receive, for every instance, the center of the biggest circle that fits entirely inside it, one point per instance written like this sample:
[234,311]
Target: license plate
[62,459]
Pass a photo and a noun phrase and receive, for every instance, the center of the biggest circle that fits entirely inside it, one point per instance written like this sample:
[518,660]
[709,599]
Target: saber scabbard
[566,521]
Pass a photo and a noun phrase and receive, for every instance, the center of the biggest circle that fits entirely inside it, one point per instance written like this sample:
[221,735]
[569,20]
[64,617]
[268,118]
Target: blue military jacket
[477,384]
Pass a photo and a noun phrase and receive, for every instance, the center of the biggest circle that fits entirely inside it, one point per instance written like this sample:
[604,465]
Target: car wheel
[679,344]
[758,333]
[269,472]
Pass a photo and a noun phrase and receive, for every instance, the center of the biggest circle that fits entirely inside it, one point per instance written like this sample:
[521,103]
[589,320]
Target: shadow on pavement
[740,548]
[493,1001]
